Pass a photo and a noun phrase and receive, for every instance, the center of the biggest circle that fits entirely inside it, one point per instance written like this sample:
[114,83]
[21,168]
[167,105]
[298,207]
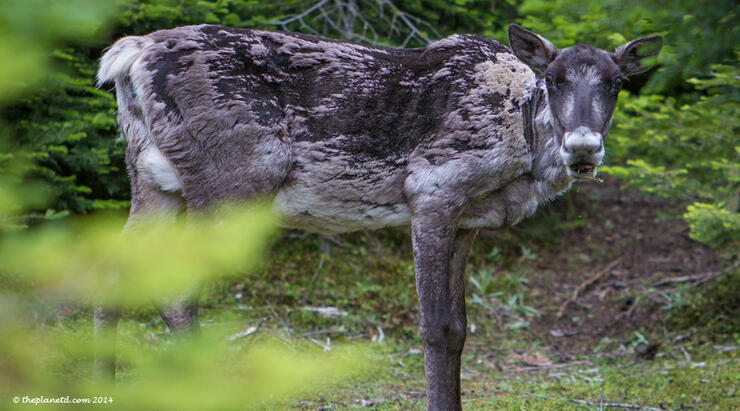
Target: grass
[372,279]
[686,373]
[512,361]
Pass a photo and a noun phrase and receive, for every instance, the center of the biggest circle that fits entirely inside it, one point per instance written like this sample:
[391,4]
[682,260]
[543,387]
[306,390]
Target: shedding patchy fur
[342,135]
[448,138]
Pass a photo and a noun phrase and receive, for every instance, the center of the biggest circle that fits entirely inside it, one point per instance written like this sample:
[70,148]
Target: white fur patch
[117,61]
[544,117]
[597,107]
[508,72]
[310,208]
[582,141]
[258,50]
[155,168]
[589,74]
[569,105]
[447,42]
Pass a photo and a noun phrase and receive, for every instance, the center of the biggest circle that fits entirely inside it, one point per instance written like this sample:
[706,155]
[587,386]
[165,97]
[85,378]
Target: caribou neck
[548,171]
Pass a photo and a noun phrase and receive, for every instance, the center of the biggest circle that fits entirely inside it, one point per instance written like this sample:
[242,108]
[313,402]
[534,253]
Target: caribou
[462,134]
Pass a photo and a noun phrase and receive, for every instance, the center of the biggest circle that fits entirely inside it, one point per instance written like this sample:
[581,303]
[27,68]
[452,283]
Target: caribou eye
[618,84]
[549,80]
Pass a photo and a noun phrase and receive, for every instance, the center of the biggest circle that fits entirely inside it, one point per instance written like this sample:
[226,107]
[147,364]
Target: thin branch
[587,284]
[392,26]
[321,332]
[415,32]
[712,276]
[300,16]
[340,15]
[326,347]
[598,404]
[318,267]
[308,28]
[366,25]
[326,19]
[679,279]
[698,278]
[551,366]
[406,41]
[249,331]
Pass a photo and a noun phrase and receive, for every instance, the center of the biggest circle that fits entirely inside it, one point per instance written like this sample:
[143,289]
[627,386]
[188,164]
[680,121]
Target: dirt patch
[612,272]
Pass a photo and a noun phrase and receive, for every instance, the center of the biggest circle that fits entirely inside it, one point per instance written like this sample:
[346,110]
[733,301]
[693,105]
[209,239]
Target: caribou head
[581,87]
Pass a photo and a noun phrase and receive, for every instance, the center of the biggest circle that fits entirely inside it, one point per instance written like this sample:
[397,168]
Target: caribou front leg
[434,242]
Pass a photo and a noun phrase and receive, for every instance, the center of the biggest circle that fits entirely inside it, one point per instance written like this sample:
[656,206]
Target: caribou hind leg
[147,201]
[105,325]
[459,321]
[181,314]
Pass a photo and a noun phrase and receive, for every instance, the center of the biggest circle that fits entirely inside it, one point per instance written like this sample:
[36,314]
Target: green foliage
[713,307]
[68,127]
[144,16]
[29,28]
[683,150]
[162,261]
[714,225]
[203,372]
[687,151]
[697,34]
[505,293]
[65,126]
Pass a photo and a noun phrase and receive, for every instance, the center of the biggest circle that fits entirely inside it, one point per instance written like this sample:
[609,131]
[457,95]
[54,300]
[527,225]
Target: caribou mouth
[582,168]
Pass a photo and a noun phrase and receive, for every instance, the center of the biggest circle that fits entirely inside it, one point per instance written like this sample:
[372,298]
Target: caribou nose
[582,141]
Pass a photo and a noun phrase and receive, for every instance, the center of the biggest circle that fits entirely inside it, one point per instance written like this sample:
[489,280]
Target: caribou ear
[532,49]
[629,58]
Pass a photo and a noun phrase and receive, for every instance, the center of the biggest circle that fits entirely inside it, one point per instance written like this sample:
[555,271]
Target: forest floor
[599,308]
[600,301]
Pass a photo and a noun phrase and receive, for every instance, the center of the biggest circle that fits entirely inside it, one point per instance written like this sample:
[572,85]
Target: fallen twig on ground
[726,348]
[321,332]
[713,275]
[249,331]
[551,366]
[329,311]
[628,314]
[599,404]
[318,267]
[326,347]
[697,279]
[679,279]
[585,285]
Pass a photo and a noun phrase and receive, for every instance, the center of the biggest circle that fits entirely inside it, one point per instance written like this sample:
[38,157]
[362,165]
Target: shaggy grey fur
[449,138]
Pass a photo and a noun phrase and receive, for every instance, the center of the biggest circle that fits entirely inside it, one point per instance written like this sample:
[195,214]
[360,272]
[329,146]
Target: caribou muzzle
[582,151]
